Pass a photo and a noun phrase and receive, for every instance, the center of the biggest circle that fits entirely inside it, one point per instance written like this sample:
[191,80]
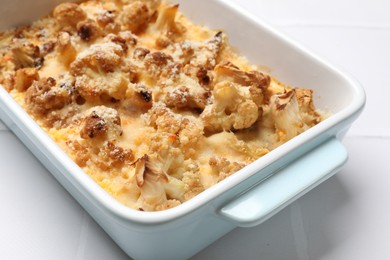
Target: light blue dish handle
[286,185]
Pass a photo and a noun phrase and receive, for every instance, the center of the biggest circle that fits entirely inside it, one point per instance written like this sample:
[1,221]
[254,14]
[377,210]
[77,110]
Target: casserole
[140,234]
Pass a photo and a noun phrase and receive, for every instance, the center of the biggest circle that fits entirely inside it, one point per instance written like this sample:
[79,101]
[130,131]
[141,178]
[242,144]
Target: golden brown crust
[102,123]
[88,30]
[26,56]
[69,14]
[44,96]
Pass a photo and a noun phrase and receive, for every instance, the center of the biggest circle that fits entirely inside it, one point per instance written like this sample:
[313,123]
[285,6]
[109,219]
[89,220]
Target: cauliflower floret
[97,72]
[112,156]
[203,54]
[163,119]
[223,168]
[156,62]
[256,81]
[167,27]
[89,30]
[125,39]
[66,49]
[44,96]
[232,108]
[238,99]
[102,58]
[188,129]
[306,106]
[191,179]
[157,187]
[107,20]
[199,72]
[93,86]
[101,122]
[184,92]
[105,155]
[288,120]
[26,55]
[7,79]
[135,16]
[138,96]
[69,14]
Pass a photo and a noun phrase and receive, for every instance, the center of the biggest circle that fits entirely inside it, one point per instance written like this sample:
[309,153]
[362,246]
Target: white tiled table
[346,217]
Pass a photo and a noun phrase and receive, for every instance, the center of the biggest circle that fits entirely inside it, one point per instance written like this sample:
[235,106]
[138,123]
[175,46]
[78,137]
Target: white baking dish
[245,199]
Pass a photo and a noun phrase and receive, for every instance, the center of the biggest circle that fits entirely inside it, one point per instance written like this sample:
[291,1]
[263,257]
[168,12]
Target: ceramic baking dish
[245,199]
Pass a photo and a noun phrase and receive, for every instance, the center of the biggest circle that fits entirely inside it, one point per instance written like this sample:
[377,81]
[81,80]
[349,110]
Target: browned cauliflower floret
[203,54]
[286,114]
[66,49]
[306,106]
[111,155]
[223,168]
[188,129]
[47,47]
[24,78]
[106,155]
[191,132]
[157,187]
[81,152]
[97,72]
[26,55]
[138,96]
[256,81]
[102,58]
[186,97]
[89,30]
[163,119]
[156,62]
[140,54]
[135,16]
[203,75]
[94,86]
[44,96]
[125,39]
[7,80]
[232,108]
[144,169]
[191,178]
[167,27]
[69,14]
[178,90]
[106,19]
[101,122]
